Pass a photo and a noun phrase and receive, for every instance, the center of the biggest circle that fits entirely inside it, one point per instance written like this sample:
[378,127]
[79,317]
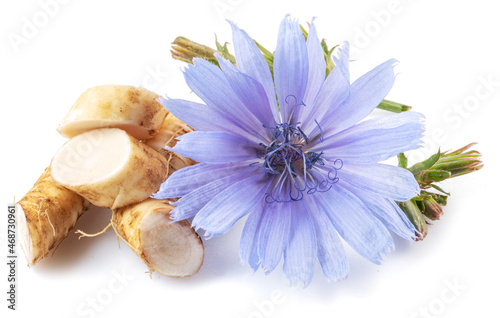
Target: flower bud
[413,213]
[459,162]
[186,50]
[431,208]
[442,166]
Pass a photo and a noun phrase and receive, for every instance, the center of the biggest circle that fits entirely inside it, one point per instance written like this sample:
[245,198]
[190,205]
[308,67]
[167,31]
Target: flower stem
[186,50]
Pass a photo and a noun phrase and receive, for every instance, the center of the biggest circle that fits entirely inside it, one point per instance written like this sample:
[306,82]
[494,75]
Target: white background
[447,50]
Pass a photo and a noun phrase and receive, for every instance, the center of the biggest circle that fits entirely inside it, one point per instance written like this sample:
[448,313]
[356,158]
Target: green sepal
[328,56]
[268,56]
[441,199]
[440,189]
[223,50]
[461,150]
[416,217]
[402,161]
[304,31]
[424,165]
[393,106]
[429,176]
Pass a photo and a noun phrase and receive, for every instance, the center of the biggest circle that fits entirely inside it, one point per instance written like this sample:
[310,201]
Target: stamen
[320,131]
[303,135]
[296,171]
[294,105]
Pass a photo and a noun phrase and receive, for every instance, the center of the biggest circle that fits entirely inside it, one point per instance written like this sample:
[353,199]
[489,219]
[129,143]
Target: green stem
[186,50]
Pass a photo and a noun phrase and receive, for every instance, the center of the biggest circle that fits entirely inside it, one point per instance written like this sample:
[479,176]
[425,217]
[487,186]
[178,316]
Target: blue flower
[290,150]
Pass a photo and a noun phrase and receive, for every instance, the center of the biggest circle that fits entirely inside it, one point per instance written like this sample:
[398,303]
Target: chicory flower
[291,149]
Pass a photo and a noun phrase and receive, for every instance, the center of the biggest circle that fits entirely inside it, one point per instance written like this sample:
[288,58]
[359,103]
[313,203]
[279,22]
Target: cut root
[105,164]
[46,214]
[172,249]
[133,109]
[109,168]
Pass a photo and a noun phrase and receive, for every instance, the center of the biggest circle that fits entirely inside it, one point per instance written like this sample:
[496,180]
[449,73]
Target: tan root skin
[133,109]
[46,214]
[109,168]
[172,249]
[169,131]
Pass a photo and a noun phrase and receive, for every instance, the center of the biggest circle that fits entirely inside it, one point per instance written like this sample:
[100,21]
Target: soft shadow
[362,274]
[402,246]
[72,250]
[222,263]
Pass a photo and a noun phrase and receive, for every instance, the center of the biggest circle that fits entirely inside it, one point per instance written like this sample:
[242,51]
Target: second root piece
[172,249]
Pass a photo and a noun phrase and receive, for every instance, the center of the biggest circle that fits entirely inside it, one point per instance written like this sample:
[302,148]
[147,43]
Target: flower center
[285,152]
[293,166]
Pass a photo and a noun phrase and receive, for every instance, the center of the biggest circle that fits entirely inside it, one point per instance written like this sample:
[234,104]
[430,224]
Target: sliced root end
[172,249]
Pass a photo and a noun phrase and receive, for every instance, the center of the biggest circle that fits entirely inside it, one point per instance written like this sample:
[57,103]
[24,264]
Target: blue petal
[250,92]
[290,67]
[374,140]
[209,83]
[251,62]
[361,230]
[333,94]
[331,253]
[366,94]
[227,207]
[194,201]
[188,179]
[388,212]
[200,116]
[273,234]
[341,60]
[249,236]
[302,250]
[385,180]
[317,66]
[215,147]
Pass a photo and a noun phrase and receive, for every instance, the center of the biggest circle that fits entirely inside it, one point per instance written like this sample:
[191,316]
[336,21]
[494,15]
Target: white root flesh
[172,249]
[109,168]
